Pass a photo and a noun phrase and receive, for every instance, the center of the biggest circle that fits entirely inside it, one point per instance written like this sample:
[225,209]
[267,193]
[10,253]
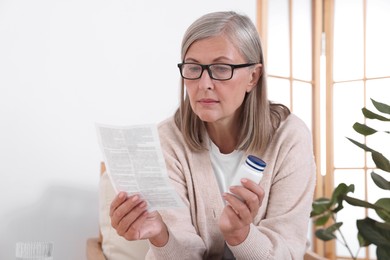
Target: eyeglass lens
[216,71]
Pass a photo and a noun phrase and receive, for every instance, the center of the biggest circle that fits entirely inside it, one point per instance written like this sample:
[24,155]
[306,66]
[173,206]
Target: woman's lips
[208,101]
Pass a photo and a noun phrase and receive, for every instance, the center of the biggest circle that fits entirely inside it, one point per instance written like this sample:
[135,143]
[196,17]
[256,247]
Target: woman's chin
[207,118]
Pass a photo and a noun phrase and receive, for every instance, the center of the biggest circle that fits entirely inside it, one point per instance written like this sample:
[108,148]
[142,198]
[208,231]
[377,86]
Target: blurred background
[65,65]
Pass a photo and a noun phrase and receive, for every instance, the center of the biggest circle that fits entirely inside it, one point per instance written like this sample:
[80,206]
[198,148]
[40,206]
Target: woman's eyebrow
[221,59]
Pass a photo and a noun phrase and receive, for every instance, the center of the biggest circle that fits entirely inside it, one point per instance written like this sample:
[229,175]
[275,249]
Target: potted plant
[370,231]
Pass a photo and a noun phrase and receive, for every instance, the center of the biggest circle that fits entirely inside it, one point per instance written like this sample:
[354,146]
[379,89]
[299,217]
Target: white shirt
[225,166]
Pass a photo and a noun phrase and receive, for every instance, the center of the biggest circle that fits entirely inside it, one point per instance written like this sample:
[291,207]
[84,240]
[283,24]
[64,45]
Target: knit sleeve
[184,242]
[281,232]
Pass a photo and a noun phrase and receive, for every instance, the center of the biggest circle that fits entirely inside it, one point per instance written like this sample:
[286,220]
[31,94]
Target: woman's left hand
[239,214]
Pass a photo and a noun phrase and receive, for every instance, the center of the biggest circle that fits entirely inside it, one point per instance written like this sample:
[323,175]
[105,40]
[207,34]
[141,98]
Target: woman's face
[217,101]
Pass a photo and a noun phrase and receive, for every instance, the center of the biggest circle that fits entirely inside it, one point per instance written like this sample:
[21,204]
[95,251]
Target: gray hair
[259,117]
[238,28]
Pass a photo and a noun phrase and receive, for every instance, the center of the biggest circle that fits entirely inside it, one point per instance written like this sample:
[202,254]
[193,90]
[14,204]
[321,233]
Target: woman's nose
[205,81]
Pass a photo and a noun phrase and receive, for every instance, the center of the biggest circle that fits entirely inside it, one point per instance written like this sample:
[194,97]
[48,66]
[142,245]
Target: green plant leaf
[372,233]
[371,115]
[380,161]
[383,225]
[363,146]
[362,241]
[328,233]
[340,190]
[383,253]
[364,129]
[381,107]
[338,195]
[361,203]
[319,206]
[324,235]
[322,220]
[384,212]
[380,181]
[334,227]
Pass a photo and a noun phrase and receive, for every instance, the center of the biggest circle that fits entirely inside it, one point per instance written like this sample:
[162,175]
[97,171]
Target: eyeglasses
[218,71]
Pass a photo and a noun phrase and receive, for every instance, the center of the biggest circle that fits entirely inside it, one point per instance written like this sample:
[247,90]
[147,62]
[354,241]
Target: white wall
[65,65]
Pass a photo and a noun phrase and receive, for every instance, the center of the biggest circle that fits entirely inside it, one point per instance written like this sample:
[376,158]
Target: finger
[135,230]
[253,187]
[250,199]
[233,215]
[123,209]
[251,193]
[238,206]
[127,224]
[118,200]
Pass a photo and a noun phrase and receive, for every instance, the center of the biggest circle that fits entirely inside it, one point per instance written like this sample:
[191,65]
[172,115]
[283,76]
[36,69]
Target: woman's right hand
[130,218]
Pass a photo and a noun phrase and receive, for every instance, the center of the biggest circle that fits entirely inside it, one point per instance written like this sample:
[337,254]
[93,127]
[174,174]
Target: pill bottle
[252,169]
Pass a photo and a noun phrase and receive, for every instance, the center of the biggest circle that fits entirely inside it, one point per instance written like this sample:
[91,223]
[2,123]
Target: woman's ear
[254,76]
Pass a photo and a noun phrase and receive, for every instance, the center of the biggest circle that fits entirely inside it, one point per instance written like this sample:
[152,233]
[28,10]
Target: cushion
[114,246]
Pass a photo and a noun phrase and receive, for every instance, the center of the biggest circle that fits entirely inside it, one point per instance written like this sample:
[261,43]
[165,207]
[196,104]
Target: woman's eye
[194,68]
[221,68]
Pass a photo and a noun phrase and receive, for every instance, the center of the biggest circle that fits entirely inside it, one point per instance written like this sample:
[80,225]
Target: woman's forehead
[218,48]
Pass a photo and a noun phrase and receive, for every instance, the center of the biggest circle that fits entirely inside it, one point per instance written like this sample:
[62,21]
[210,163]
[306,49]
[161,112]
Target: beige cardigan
[280,229]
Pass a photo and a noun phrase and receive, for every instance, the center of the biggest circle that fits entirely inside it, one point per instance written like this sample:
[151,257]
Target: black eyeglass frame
[207,67]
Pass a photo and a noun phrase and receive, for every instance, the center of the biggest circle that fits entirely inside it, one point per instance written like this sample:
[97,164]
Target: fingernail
[244,180]
[135,198]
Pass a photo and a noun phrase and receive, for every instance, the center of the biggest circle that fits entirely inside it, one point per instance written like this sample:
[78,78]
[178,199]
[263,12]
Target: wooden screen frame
[317,29]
